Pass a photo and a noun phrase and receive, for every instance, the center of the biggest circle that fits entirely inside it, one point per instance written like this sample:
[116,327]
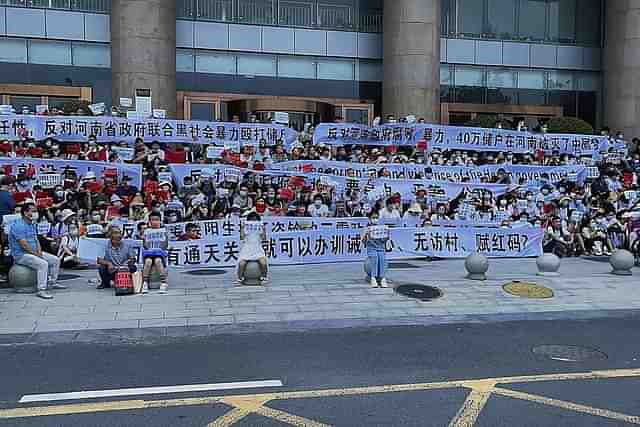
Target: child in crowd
[155,244]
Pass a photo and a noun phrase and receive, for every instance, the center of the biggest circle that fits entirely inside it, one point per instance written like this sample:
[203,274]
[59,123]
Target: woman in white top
[252,247]
[68,250]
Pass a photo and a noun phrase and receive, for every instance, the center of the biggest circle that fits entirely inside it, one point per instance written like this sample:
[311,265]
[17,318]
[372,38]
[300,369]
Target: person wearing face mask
[26,251]
[242,199]
[94,228]
[375,239]
[318,208]
[391,213]
[68,251]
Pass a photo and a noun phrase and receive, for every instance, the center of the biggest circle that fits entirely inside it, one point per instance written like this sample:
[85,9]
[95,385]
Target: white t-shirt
[321,211]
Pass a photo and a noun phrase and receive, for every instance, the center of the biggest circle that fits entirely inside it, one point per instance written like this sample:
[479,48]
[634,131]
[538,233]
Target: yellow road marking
[481,389]
[288,418]
[473,404]
[605,413]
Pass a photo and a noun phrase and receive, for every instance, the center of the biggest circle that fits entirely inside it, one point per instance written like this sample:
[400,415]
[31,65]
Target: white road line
[140,391]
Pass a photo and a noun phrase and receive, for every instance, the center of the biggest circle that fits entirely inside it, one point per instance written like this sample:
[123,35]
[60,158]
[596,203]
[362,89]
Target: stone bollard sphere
[477,266]
[548,265]
[252,274]
[622,262]
[23,279]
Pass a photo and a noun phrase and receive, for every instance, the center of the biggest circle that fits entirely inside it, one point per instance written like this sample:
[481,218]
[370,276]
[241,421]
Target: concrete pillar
[411,44]
[143,50]
[622,66]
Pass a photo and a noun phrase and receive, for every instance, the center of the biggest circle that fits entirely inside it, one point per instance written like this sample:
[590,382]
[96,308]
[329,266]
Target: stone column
[621,64]
[143,50]
[411,46]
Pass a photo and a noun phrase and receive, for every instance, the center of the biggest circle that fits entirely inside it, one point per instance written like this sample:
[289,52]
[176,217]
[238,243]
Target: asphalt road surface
[398,376]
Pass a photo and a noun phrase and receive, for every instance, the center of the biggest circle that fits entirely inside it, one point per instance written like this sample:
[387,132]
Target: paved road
[433,371]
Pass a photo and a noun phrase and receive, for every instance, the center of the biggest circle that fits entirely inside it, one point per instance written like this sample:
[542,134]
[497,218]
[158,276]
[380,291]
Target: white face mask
[74,232]
[374,220]
[34,216]
[318,203]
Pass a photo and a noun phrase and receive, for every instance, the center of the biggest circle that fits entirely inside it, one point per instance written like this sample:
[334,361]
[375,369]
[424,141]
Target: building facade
[444,60]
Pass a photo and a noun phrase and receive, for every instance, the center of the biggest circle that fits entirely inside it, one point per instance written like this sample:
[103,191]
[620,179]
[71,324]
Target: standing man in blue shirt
[26,250]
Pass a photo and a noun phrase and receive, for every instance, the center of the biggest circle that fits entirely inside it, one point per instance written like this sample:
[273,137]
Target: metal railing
[99,6]
[292,13]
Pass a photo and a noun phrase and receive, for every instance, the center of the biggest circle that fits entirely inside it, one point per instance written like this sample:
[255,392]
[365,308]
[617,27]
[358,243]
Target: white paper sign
[159,113]
[49,180]
[232,175]
[43,228]
[97,109]
[40,109]
[214,152]
[126,102]
[155,237]
[165,177]
[93,229]
[125,153]
[232,146]
[378,232]
[281,118]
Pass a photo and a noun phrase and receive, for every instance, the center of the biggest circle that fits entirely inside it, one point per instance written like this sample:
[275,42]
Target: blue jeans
[377,263]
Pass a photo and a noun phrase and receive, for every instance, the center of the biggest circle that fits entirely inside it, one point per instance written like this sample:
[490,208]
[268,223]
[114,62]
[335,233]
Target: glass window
[257,65]
[532,96]
[91,55]
[501,96]
[302,68]
[20,102]
[560,80]
[562,21]
[203,111]
[445,75]
[357,115]
[370,71]
[588,82]
[471,95]
[501,79]
[336,14]
[336,70]
[470,13]
[532,19]
[588,24]
[501,19]
[60,101]
[13,50]
[49,52]
[297,13]
[184,61]
[256,11]
[566,99]
[587,102]
[448,17]
[468,76]
[185,9]
[531,79]
[215,63]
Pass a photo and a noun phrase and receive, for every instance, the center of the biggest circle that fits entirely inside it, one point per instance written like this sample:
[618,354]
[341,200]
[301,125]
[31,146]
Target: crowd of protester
[593,218]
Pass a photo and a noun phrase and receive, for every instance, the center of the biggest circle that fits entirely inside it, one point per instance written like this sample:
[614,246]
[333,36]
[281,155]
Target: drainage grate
[401,265]
[205,272]
[527,290]
[421,292]
[64,276]
[569,353]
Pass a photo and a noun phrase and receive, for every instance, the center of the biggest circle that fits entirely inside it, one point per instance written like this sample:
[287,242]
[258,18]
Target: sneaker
[264,279]
[374,282]
[58,286]
[44,295]
[145,288]
[163,288]
[240,280]
[383,283]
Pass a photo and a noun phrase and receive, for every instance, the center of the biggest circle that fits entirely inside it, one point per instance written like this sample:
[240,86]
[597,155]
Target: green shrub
[488,121]
[569,125]
[70,107]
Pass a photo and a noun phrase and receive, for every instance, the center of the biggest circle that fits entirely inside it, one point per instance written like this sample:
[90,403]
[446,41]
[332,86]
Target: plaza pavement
[319,296]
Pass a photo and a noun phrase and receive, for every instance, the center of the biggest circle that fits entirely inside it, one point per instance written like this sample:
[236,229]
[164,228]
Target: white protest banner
[97,109]
[253,227]
[378,232]
[332,246]
[107,129]
[456,138]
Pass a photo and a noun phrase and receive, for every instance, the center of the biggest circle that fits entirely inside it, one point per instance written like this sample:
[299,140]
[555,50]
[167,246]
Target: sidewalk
[323,296]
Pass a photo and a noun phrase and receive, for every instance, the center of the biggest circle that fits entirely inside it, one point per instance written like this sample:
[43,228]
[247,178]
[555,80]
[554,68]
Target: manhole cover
[63,276]
[569,353]
[205,272]
[400,265]
[527,290]
[421,292]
